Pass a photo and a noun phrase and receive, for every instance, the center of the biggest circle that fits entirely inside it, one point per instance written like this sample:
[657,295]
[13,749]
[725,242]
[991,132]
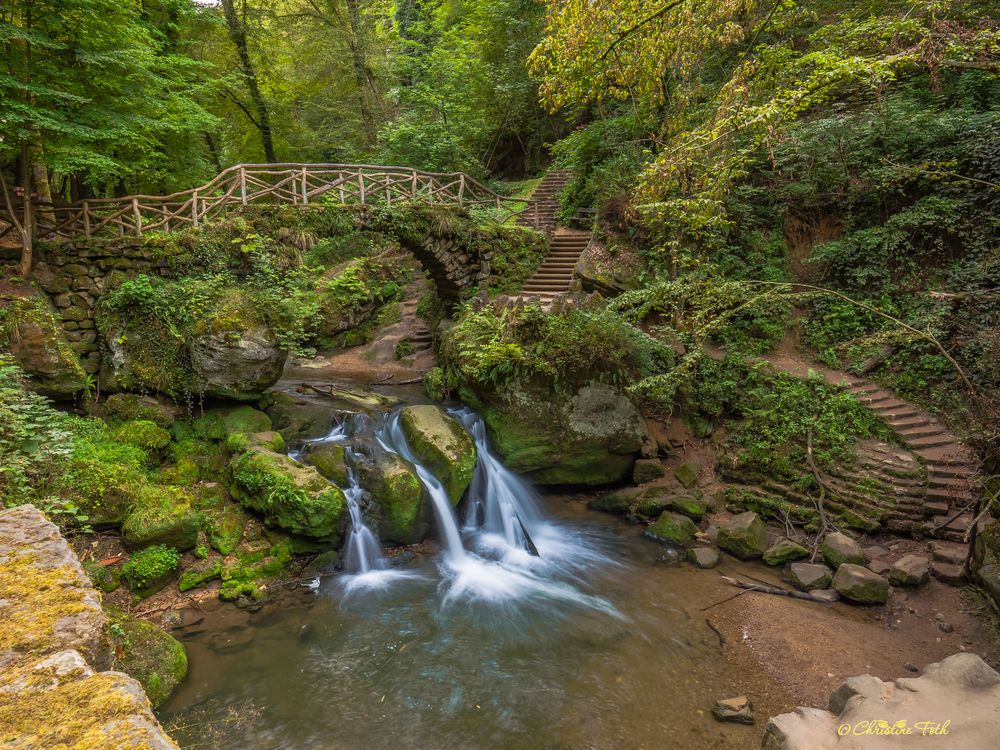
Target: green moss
[400,497]
[126,407]
[289,496]
[251,574]
[222,519]
[161,514]
[673,528]
[689,506]
[145,435]
[442,445]
[148,570]
[612,502]
[218,424]
[329,461]
[104,577]
[199,574]
[143,651]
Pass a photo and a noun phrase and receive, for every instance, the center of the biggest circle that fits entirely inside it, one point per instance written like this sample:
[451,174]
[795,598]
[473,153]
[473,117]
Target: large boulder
[398,493]
[161,515]
[240,365]
[955,705]
[30,332]
[588,435]
[152,656]
[296,418]
[288,495]
[673,528]
[442,445]
[743,536]
[47,602]
[857,583]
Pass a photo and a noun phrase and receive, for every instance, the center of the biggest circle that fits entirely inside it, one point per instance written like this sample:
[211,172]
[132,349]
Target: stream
[538,624]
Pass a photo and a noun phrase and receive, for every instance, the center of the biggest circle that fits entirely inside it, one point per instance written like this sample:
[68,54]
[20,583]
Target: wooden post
[86,218]
[194,207]
[461,189]
[535,221]
[388,193]
[243,185]
[361,185]
[137,214]
[413,190]
[305,187]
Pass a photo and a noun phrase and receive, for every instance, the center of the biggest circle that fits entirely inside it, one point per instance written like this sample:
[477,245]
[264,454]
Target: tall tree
[259,116]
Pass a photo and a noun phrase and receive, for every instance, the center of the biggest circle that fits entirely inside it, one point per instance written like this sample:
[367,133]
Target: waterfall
[363,551]
[500,502]
[390,435]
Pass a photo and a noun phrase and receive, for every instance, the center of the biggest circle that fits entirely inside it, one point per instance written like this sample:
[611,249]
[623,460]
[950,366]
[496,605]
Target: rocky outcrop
[53,643]
[589,435]
[442,445]
[955,705]
[237,365]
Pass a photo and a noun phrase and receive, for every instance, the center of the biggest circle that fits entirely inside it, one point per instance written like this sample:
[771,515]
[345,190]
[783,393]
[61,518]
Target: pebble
[737,709]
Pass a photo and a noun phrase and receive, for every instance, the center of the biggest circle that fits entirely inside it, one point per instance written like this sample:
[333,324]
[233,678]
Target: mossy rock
[295,418]
[199,573]
[687,474]
[145,435]
[785,551]
[442,445]
[218,424]
[126,407]
[193,459]
[589,435]
[612,502]
[651,507]
[329,460]
[161,515]
[399,494]
[288,495]
[743,536]
[222,519]
[673,528]
[256,565]
[150,569]
[860,585]
[143,651]
[105,577]
[689,506]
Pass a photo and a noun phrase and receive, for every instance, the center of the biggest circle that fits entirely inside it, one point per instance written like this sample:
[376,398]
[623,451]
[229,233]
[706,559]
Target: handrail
[288,182]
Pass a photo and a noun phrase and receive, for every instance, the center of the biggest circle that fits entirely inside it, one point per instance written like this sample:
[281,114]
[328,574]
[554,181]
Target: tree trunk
[28,218]
[44,215]
[361,78]
[238,33]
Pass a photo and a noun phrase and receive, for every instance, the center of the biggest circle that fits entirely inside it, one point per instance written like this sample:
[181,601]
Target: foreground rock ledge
[869,714]
[53,644]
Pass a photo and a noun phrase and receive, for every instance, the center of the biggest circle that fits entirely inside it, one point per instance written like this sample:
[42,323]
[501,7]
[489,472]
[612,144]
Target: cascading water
[501,504]
[390,436]
[363,552]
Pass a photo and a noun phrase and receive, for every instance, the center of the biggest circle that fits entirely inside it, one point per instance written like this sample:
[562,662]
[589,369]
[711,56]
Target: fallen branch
[767,589]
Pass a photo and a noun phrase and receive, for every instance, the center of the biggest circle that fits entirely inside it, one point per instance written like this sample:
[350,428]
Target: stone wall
[74,277]
[54,645]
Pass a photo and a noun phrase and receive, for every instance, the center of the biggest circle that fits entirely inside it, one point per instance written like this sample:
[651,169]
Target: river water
[607,648]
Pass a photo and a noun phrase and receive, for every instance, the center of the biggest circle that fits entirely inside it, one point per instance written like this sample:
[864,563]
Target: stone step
[946,468]
[931,441]
[910,433]
[958,484]
[948,552]
[953,575]
[936,508]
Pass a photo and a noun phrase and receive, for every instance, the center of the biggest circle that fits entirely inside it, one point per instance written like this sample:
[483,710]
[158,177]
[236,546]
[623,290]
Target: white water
[514,553]
[364,563]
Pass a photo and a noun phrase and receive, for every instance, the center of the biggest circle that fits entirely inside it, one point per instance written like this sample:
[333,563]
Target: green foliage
[495,344]
[150,566]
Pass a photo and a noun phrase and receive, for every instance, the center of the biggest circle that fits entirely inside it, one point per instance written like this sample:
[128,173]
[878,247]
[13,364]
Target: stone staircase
[555,273]
[949,465]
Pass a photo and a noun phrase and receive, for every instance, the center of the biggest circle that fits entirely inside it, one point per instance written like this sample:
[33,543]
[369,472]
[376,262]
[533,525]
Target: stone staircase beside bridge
[554,275]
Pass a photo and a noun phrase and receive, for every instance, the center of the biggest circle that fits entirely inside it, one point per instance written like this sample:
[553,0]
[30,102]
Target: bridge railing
[297,184]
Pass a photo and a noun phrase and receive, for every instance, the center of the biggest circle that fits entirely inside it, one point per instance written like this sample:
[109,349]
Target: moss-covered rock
[192,459]
[256,564]
[289,496]
[126,407]
[399,494]
[743,536]
[238,365]
[220,423]
[687,473]
[30,331]
[857,583]
[612,502]
[145,652]
[199,573]
[689,506]
[144,434]
[785,551]
[328,458]
[150,569]
[588,435]
[296,418]
[222,519]
[838,549]
[105,577]
[673,528]
[442,445]
[161,515]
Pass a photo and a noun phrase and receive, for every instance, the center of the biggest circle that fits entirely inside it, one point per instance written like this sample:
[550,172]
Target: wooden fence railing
[298,184]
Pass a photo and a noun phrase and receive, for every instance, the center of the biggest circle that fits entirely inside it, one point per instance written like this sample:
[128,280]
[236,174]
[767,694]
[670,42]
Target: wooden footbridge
[296,184]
